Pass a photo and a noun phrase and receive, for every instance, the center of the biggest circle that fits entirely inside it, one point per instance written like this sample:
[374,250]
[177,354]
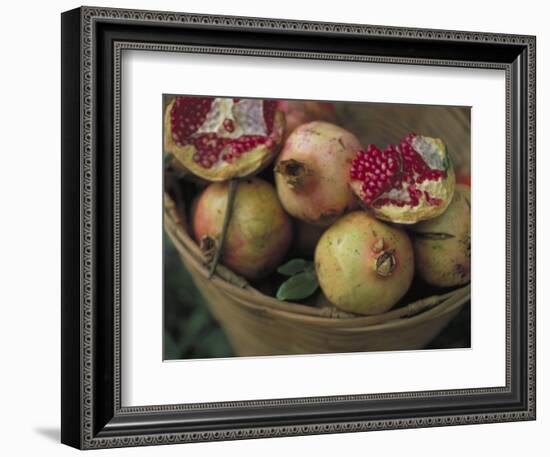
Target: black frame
[92,42]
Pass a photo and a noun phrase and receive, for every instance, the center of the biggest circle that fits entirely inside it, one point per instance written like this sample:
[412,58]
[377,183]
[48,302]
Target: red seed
[396,167]
[228,125]
[188,115]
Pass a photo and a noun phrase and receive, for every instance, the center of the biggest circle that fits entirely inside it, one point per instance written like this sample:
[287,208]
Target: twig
[227,218]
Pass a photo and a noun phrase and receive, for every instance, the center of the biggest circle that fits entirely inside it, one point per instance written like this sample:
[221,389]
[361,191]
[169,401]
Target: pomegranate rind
[298,112]
[346,262]
[441,190]
[249,163]
[442,244]
[319,193]
[259,232]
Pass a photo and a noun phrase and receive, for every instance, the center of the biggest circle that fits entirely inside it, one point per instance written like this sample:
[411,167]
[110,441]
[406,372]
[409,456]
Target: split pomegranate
[259,232]
[222,138]
[311,172]
[405,183]
[363,265]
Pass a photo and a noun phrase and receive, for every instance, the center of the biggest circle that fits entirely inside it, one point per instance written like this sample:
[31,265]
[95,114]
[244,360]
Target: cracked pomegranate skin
[405,183]
[311,172]
[364,266]
[259,232]
[442,245]
[222,138]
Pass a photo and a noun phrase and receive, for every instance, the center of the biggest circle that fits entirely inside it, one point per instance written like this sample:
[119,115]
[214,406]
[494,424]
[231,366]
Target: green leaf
[299,286]
[214,344]
[295,266]
[192,327]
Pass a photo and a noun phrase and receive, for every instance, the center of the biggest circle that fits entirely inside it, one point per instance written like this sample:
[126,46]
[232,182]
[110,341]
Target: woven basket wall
[257,324]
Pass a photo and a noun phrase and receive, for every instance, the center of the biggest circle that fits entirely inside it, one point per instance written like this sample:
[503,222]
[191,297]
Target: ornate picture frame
[93,39]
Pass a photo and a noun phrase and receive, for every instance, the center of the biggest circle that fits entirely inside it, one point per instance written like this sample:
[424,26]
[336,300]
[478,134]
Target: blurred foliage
[190,331]
[457,334]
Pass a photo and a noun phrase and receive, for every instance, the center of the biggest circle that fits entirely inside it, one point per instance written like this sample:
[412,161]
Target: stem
[227,218]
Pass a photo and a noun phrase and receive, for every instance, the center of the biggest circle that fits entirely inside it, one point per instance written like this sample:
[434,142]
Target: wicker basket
[257,324]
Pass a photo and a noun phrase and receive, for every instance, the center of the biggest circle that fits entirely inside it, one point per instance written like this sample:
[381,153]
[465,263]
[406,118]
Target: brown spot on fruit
[460,270]
[294,172]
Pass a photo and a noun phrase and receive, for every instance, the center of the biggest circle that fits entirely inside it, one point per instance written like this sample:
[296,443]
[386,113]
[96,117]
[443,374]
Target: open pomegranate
[222,138]
[405,183]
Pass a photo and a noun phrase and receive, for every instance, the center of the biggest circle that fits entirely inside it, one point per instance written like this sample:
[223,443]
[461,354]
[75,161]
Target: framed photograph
[273,228]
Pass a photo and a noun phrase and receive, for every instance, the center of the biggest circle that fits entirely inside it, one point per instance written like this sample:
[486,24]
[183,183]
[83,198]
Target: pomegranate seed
[367,167]
[397,167]
[229,125]
[189,114]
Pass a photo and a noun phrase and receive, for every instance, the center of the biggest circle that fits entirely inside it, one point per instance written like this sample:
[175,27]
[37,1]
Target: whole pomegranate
[300,112]
[442,245]
[312,170]
[407,183]
[259,231]
[222,138]
[363,265]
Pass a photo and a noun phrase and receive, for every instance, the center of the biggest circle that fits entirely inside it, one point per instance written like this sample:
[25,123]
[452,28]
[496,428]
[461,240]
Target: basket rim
[361,323]
[184,244]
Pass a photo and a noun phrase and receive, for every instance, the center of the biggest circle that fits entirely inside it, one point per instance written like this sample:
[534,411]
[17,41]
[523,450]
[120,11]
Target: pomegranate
[463,179]
[300,112]
[363,265]
[222,138]
[259,231]
[407,183]
[311,172]
[442,245]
